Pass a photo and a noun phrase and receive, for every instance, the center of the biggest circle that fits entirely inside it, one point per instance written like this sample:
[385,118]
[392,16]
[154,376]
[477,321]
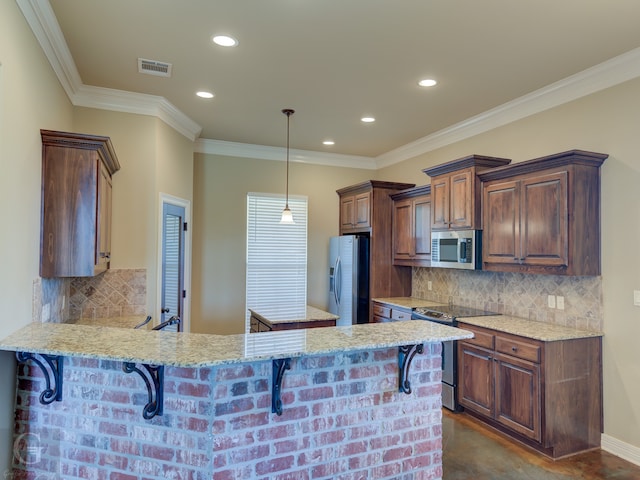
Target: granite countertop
[200,350]
[115,322]
[408,302]
[313,314]
[546,332]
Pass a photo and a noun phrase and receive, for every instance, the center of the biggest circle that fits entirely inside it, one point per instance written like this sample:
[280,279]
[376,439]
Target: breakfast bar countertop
[545,332]
[199,350]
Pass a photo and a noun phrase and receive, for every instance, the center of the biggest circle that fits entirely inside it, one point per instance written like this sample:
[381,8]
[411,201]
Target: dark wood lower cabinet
[545,394]
[517,395]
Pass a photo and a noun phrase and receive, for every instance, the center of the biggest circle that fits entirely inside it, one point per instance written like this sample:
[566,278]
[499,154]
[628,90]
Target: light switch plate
[429,285]
[551,301]
[560,302]
[636,298]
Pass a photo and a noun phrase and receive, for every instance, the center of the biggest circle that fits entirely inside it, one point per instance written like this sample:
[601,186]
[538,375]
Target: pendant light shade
[287,216]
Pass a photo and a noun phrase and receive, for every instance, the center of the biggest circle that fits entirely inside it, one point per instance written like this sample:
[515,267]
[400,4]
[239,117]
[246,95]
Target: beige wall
[30,99]
[154,159]
[221,185]
[607,122]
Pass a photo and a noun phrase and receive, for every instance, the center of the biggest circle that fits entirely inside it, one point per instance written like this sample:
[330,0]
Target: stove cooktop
[448,313]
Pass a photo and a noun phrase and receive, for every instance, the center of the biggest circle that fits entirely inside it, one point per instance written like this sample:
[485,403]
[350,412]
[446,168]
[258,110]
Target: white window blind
[276,257]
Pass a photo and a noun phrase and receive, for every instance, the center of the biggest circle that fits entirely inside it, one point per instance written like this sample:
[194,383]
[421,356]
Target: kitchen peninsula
[308,403]
[314,318]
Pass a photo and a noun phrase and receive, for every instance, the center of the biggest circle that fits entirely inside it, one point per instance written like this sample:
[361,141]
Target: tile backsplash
[50,300]
[516,294]
[114,293]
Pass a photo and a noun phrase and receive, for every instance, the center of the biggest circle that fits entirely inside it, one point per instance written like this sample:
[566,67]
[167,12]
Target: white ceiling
[334,61]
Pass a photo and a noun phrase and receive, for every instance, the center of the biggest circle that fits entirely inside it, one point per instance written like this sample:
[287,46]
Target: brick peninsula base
[343,417]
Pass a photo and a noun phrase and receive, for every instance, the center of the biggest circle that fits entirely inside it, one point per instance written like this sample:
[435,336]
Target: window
[276,257]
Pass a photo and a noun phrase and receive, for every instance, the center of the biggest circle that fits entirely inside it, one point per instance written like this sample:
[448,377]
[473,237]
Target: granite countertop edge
[181,349]
[545,332]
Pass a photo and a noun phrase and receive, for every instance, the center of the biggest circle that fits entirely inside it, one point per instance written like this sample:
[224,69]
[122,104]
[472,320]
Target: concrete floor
[472,451]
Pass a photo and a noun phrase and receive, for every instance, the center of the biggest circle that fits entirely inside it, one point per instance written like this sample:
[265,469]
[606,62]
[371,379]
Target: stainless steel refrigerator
[349,278]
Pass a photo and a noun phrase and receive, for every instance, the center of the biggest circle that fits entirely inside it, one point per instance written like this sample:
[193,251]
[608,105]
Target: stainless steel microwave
[457,249]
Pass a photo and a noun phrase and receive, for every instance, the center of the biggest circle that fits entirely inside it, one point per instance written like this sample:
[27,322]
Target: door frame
[165,198]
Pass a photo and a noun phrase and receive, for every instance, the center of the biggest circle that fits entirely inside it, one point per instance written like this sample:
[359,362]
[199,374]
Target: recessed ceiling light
[328,142]
[224,40]
[368,119]
[427,82]
[204,94]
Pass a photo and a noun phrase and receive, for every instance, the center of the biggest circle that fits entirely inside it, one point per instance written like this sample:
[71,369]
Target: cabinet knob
[514,349]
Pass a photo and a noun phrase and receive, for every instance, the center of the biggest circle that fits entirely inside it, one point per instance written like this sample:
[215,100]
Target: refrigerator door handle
[337,292]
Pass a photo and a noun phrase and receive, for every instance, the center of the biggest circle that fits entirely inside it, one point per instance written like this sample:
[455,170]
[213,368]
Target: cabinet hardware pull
[514,349]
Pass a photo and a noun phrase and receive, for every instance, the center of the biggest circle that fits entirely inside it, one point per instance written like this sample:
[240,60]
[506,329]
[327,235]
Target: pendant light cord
[288,112]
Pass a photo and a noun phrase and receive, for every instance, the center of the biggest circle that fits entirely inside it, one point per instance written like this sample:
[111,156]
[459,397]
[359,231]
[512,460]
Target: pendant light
[287,216]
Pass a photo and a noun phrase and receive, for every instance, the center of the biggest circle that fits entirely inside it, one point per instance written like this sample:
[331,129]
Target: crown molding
[599,77]
[263,152]
[142,104]
[44,24]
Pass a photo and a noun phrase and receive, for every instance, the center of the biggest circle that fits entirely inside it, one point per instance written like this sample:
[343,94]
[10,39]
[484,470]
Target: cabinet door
[544,220]
[362,210]
[69,205]
[347,212]
[422,228]
[461,200]
[103,219]
[501,234]
[440,203]
[402,231]
[476,379]
[518,396]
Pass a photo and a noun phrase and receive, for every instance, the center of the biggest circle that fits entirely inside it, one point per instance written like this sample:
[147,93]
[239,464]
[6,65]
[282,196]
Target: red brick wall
[343,418]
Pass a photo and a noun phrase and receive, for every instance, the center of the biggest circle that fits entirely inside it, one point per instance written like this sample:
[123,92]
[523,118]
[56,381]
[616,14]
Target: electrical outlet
[636,298]
[560,302]
[551,301]
[430,285]
[46,312]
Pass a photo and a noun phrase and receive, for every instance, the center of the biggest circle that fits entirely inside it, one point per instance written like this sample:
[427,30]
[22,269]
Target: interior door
[173,244]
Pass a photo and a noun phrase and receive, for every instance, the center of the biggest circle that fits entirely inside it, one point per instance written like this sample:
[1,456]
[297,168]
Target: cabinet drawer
[518,348]
[397,314]
[379,319]
[381,310]
[482,338]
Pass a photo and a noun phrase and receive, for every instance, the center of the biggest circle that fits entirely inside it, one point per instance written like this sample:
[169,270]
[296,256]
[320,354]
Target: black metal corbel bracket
[405,357]
[279,367]
[54,372]
[152,374]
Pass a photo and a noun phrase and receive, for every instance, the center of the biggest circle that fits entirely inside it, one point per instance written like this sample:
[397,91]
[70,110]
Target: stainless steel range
[448,315]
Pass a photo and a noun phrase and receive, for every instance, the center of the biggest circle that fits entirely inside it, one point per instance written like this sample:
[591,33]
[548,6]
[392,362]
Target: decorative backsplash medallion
[114,293]
[516,294]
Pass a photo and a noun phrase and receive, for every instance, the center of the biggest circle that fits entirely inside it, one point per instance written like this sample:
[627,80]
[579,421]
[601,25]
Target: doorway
[173,261]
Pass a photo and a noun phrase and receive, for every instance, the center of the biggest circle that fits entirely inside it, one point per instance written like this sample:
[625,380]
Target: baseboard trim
[620,449]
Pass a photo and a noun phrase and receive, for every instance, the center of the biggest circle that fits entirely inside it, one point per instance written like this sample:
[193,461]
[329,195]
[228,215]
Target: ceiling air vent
[152,67]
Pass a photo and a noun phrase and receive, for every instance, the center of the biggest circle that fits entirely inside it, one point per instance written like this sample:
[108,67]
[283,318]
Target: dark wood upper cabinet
[366,208]
[76,204]
[411,227]
[543,215]
[456,192]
